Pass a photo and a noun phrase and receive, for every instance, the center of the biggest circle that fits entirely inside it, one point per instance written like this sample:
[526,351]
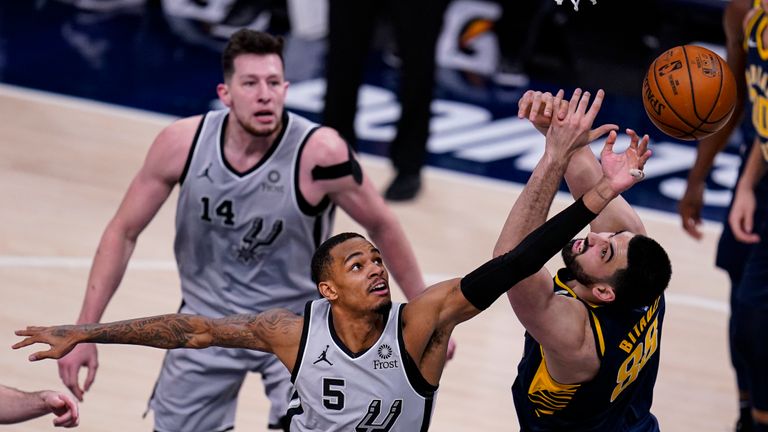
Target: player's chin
[383,305]
[262,130]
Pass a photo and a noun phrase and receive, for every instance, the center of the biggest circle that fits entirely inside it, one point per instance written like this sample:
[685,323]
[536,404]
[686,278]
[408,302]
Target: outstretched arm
[276,331]
[567,131]
[584,170]
[18,406]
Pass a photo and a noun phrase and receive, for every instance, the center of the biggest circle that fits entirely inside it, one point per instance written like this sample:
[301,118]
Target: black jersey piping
[298,410]
[412,372]
[278,140]
[188,163]
[305,207]
[303,342]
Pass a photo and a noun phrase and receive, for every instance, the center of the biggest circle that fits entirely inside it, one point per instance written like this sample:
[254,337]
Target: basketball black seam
[663,96]
[707,120]
[655,80]
[720,92]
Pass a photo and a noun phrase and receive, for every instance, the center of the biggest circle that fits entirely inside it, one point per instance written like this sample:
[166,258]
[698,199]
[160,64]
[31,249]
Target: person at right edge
[732,253]
[751,296]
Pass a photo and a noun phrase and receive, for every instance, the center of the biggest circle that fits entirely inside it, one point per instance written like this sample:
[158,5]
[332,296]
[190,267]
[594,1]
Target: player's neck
[358,331]
[243,149]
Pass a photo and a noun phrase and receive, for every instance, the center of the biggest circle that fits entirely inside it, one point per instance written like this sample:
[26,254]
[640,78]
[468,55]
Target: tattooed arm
[276,331]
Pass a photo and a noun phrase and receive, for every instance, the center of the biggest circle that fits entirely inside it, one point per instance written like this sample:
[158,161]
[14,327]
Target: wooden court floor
[65,163]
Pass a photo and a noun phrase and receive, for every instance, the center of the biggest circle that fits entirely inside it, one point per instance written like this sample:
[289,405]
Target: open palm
[618,167]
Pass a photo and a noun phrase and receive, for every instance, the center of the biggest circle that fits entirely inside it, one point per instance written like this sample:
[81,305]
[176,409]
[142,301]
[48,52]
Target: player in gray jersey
[258,187]
[358,361]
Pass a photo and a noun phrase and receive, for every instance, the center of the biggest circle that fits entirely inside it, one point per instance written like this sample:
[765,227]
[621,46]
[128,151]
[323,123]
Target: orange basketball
[689,92]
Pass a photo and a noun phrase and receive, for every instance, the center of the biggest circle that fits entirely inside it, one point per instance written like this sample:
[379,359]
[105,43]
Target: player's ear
[603,292]
[328,290]
[223,91]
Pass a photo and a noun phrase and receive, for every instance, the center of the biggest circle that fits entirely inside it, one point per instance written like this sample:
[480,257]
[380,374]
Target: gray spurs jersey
[244,240]
[380,389]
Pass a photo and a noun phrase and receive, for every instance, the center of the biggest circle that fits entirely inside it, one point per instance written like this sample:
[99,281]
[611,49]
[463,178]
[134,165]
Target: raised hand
[622,170]
[60,338]
[569,132]
[539,107]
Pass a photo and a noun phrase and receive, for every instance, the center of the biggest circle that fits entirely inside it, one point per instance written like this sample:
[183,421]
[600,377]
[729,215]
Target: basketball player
[593,332]
[17,406]
[751,297]
[731,253]
[357,361]
[258,188]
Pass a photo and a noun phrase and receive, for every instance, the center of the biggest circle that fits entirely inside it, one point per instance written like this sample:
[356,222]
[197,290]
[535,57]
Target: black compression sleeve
[488,282]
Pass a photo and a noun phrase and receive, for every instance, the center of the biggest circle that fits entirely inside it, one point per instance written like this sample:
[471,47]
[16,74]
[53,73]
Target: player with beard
[591,352]
[258,187]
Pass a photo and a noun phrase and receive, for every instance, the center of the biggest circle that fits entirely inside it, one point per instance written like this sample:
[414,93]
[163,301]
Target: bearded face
[569,258]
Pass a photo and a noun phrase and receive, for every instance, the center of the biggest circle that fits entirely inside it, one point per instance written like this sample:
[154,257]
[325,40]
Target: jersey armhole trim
[303,342]
[305,207]
[188,163]
[597,332]
[412,372]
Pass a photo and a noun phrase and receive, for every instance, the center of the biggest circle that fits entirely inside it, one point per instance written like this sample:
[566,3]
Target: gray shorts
[197,389]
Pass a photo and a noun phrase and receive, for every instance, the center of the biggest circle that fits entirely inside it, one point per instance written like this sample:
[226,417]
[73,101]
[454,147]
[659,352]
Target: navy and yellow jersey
[757,75]
[619,396]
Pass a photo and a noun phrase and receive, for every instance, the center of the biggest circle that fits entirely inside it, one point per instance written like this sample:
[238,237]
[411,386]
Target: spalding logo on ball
[689,92]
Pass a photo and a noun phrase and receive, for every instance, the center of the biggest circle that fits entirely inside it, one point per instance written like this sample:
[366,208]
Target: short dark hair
[321,260]
[246,41]
[646,276]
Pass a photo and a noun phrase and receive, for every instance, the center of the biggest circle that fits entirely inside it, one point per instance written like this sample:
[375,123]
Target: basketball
[689,92]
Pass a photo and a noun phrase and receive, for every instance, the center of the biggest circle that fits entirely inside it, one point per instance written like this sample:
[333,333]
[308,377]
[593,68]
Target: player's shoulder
[326,147]
[180,134]
[181,128]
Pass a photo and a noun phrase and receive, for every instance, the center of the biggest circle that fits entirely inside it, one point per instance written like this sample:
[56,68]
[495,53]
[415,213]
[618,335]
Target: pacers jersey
[244,240]
[379,389]
[621,393]
[757,75]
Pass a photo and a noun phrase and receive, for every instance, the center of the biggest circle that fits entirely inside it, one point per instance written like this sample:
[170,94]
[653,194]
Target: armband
[488,282]
[350,167]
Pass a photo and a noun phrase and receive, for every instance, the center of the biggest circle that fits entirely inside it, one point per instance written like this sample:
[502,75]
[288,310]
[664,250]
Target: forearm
[399,256]
[706,151]
[163,331]
[251,331]
[583,172]
[107,271]
[532,206]
[488,282]
[755,168]
[17,406]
